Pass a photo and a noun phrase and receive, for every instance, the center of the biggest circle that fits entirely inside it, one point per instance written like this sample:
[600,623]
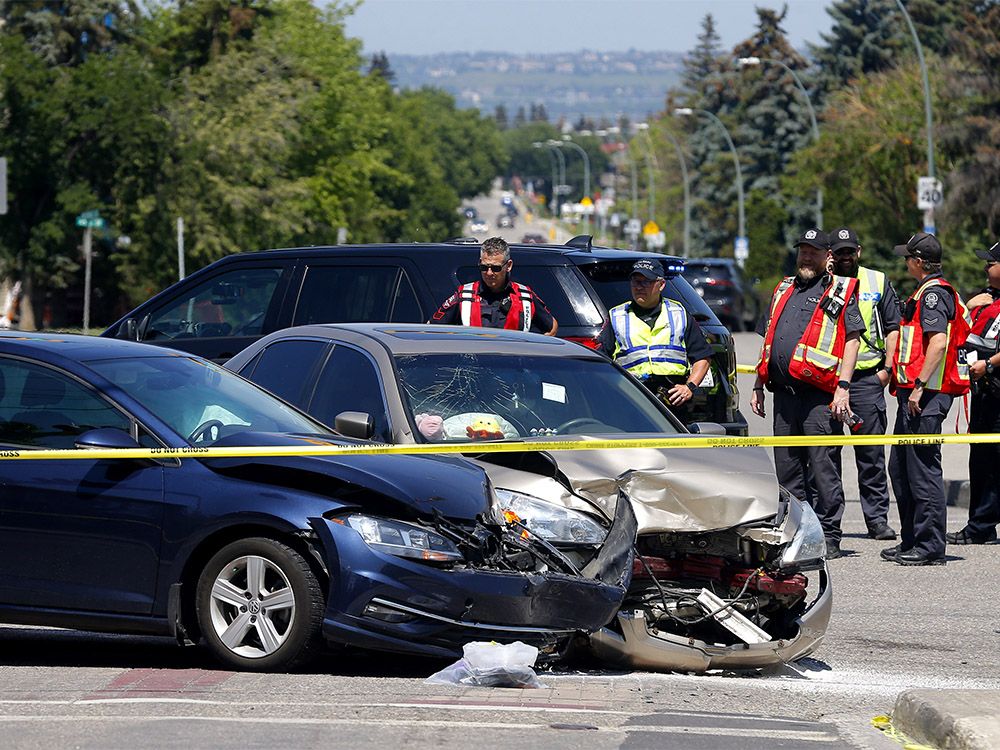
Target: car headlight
[808,544]
[403,539]
[548,521]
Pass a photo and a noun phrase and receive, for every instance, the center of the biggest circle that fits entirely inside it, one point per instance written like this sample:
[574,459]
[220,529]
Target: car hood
[672,490]
[424,485]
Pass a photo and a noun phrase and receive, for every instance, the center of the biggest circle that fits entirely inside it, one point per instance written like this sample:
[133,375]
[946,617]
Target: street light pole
[687,193]
[651,163]
[552,158]
[554,145]
[928,213]
[586,177]
[745,61]
[688,112]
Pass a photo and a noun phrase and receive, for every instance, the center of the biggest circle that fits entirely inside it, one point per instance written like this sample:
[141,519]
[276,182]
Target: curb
[952,719]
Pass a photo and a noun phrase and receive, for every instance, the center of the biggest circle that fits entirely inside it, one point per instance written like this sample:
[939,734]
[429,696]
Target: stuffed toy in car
[431,426]
[484,428]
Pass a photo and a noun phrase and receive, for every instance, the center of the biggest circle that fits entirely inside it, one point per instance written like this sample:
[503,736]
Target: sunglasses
[845,252]
[494,267]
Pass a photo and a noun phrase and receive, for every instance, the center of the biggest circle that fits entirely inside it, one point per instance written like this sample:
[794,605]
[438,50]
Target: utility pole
[180,247]
[88,238]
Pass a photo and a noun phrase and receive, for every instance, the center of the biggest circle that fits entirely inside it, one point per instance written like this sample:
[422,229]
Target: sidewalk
[952,719]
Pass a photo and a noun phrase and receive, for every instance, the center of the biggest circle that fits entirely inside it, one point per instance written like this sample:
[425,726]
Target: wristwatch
[691,385]
[918,383]
[990,367]
[845,384]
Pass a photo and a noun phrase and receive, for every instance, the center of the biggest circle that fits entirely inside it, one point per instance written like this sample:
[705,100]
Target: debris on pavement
[491,664]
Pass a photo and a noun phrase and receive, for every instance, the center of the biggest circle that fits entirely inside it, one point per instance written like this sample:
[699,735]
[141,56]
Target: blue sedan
[264,559]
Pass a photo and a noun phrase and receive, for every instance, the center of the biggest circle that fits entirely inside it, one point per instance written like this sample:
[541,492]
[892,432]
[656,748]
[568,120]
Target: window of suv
[355,294]
[610,280]
[559,287]
[230,304]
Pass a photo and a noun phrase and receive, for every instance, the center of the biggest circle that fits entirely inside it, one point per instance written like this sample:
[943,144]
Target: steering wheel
[575,424]
[204,430]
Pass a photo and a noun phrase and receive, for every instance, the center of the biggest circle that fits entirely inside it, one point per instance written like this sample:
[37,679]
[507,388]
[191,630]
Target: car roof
[414,338]
[576,253]
[56,347]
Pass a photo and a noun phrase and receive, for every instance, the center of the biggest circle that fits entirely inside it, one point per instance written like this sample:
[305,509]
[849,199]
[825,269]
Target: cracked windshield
[470,397]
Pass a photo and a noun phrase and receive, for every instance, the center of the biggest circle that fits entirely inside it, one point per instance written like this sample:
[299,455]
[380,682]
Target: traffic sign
[90,223]
[651,228]
[741,249]
[930,193]
[633,227]
[585,201]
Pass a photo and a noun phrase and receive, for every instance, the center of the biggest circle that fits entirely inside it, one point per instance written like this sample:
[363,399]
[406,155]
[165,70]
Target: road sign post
[741,250]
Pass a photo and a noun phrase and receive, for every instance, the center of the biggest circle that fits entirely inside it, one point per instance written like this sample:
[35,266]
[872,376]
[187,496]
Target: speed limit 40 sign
[930,193]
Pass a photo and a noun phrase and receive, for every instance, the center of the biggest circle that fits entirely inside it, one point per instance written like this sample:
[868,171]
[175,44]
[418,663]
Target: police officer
[655,339]
[984,370]
[879,308]
[811,336]
[496,301]
[928,372]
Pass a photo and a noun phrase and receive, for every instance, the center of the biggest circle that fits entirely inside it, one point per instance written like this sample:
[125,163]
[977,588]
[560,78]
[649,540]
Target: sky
[519,26]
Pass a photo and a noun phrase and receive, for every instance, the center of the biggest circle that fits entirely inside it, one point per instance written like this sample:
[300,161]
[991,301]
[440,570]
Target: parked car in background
[721,581]
[533,239]
[228,305]
[264,558]
[721,283]
[478,226]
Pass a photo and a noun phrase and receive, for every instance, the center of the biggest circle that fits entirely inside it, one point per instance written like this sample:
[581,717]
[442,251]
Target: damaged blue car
[265,559]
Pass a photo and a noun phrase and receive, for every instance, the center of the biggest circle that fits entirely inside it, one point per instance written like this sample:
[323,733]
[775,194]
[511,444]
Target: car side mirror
[128,330]
[707,428]
[105,437]
[355,424]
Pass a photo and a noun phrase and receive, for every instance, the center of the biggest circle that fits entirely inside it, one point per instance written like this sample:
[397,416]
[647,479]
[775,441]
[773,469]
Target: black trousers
[984,467]
[807,412]
[915,471]
[868,402]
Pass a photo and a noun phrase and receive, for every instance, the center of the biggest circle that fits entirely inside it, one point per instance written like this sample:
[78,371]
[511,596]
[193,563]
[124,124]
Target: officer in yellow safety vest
[811,335]
[929,370]
[880,310]
[656,340]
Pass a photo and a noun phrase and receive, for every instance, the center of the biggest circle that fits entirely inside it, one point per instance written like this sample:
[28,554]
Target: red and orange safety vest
[818,356]
[952,375]
[522,306]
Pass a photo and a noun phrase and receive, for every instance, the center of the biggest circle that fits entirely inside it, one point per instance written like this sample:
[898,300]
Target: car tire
[260,606]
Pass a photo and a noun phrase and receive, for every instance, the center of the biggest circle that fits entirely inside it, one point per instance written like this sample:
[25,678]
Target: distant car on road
[533,239]
[721,283]
[470,212]
[505,221]
[478,226]
[262,557]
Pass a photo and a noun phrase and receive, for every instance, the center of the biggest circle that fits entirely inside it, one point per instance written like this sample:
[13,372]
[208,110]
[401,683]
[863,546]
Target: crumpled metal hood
[676,490]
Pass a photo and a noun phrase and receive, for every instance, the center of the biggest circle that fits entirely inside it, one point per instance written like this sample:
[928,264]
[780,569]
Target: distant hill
[594,84]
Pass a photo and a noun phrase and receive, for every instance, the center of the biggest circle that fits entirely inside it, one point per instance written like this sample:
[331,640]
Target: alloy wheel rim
[252,606]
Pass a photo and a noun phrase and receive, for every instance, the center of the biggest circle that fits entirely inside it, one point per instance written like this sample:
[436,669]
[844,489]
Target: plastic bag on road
[491,665]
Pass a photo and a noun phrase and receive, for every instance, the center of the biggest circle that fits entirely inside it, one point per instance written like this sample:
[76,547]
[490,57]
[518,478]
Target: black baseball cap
[992,254]
[815,237]
[651,269]
[843,237]
[921,245]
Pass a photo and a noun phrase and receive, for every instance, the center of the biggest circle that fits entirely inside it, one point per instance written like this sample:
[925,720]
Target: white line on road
[805,735]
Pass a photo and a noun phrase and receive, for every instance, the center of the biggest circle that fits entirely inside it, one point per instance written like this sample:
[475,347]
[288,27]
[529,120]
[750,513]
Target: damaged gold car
[729,570]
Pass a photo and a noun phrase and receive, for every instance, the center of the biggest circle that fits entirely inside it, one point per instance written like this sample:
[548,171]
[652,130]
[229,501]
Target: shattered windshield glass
[470,397]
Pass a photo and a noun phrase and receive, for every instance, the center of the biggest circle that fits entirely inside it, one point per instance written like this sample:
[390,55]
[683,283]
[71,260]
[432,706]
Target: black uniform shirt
[695,344]
[494,309]
[937,307]
[791,326]
[889,309]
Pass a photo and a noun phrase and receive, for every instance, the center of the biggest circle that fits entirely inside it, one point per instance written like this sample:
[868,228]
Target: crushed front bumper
[637,645]
[384,602]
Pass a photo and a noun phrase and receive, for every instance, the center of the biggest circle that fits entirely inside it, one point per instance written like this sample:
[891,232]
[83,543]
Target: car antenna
[462,241]
[582,242]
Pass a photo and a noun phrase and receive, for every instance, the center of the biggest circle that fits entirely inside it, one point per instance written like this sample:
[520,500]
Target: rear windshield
[559,287]
[610,281]
[694,270]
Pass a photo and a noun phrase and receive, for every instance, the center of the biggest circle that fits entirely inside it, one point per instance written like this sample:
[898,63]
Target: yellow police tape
[746,369]
[318,448]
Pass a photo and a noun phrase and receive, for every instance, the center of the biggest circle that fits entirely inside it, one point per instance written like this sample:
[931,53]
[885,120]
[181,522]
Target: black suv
[231,303]
[721,283]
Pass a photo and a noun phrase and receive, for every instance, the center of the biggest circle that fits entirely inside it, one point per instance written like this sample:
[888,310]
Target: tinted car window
[559,288]
[354,294]
[707,271]
[610,281]
[284,368]
[349,383]
[230,304]
[46,409]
